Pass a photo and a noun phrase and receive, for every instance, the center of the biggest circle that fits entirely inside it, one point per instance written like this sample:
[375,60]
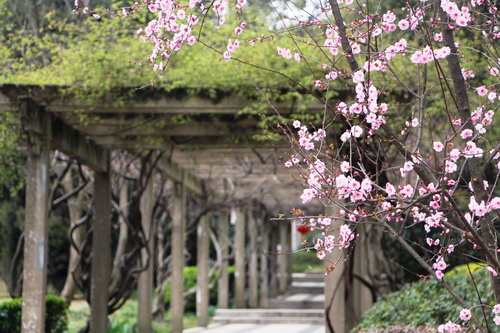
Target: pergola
[205,139]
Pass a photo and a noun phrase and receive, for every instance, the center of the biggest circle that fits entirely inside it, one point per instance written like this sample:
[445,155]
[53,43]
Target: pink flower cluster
[461,16]
[173,27]
[427,55]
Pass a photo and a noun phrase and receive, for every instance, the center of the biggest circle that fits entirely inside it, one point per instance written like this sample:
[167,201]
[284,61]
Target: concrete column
[273,259]
[239,260]
[101,253]
[36,226]
[178,246]
[284,257]
[264,257]
[288,250]
[360,297]
[223,237]
[253,273]
[335,282]
[202,277]
[145,282]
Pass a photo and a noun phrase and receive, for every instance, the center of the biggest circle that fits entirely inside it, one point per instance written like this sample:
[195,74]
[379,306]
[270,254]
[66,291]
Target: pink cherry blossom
[482,91]
[466,133]
[389,189]
[403,24]
[492,270]
[438,146]
[465,314]
[358,76]
[345,166]
[356,131]
[345,136]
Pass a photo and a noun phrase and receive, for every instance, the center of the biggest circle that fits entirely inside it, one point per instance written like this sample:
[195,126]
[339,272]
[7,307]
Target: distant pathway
[256,328]
[299,311]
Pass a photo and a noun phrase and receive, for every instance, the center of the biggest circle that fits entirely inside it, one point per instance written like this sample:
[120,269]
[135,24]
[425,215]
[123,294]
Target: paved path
[254,328]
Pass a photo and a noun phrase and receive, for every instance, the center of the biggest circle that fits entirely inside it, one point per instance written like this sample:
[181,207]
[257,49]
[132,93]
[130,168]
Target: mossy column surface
[38,130]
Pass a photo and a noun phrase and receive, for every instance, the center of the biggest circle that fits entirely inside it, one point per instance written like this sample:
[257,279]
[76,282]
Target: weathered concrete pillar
[178,246]
[202,277]
[253,272]
[101,253]
[239,259]
[145,282]
[284,257]
[36,219]
[223,238]
[288,248]
[335,282]
[264,258]
[360,297]
[273,258]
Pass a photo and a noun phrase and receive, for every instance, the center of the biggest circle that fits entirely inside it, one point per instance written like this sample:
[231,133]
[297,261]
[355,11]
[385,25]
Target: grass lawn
[122,321]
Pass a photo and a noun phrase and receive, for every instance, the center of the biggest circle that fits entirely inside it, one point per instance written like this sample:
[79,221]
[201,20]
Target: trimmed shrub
[56,315]
[190,274]
[426,302]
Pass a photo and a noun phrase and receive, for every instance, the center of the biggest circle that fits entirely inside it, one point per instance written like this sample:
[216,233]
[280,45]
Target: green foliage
[11,159]
[305,261]
[56,315]
[428,302]
[190,274]
[59,245]
[125,320]
[10,316]
[11,225]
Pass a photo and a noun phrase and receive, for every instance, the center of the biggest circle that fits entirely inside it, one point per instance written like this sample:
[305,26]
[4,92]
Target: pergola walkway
[258,328]
[208,147]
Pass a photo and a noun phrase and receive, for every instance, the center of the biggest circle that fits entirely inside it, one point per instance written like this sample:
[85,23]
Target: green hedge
[190,274]
[56,315]
[426,302]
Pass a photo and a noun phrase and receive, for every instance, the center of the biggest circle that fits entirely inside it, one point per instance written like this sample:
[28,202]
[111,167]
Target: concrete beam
[161,142]
[63,137]
[73,144]
[177,174]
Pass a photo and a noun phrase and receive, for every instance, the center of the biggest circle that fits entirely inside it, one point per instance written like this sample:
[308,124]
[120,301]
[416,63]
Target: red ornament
[303,230]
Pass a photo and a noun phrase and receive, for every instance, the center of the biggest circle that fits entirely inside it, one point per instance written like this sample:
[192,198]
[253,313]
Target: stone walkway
[255,328]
